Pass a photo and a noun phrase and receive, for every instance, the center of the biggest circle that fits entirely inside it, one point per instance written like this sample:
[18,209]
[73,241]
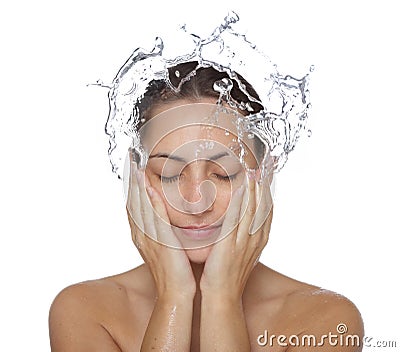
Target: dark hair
[199,85]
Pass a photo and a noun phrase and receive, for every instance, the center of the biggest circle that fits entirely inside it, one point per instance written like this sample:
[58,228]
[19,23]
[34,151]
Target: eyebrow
[182,160]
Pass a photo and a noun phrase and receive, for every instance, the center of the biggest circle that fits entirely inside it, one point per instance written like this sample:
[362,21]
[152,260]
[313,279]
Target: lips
[197,227]
[196,232]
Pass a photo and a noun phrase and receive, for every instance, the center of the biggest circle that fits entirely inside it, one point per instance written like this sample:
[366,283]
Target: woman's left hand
[232,259]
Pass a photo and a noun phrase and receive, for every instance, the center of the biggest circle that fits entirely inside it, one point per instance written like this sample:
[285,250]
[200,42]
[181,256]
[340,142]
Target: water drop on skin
[142,120]
[250,136]
[226,133]
[177,74]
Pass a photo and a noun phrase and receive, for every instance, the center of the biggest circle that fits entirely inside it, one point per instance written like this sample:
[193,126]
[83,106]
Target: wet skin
[218,297]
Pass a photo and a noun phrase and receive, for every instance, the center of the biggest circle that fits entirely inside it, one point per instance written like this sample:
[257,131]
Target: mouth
[195,232]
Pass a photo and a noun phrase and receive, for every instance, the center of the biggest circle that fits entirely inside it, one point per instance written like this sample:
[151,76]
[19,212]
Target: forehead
[192,125]
[195,136]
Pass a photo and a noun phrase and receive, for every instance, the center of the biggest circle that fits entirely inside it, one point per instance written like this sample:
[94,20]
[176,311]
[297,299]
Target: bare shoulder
[322,307]
[91,315]
[88,295]
[303,310]
[330,320]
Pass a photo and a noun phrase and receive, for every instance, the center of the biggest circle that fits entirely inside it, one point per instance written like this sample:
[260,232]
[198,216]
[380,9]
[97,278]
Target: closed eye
[170,179]
[175,178]
[225,178]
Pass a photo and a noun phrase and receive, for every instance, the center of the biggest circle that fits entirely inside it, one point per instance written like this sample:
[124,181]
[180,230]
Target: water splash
[284,98]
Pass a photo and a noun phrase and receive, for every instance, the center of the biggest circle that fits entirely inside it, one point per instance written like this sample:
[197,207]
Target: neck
[197,272]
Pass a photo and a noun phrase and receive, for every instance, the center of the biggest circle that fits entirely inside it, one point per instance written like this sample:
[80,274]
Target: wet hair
[200,85]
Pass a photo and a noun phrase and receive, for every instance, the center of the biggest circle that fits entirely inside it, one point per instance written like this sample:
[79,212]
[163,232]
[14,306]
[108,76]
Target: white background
[62,210]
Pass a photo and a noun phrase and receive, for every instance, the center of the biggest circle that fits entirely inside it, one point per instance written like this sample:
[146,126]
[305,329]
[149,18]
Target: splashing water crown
[284,98]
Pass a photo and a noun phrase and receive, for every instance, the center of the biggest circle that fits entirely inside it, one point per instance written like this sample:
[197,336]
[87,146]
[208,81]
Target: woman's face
[195,167]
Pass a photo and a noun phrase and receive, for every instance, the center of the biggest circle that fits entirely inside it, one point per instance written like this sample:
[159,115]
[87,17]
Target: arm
[170,324]
[223,326]
[228,267]
[169,328]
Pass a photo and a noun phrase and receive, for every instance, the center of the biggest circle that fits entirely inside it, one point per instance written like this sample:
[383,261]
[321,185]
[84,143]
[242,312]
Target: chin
[198,255]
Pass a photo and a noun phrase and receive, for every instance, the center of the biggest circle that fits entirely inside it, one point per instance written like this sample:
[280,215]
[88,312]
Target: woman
[200,220]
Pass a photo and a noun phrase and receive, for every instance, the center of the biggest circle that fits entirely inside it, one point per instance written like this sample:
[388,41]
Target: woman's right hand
[151,229]
[173,276]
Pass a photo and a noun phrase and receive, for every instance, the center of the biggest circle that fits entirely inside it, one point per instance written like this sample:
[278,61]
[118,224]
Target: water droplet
[309,133]
[142,120]
[284,99]
[223,85]
[312,68]
[249,108]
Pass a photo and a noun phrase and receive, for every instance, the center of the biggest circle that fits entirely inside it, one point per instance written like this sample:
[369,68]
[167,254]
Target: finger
[264,205]
[233,212]
[267,226]
[146,209]
[137,236]
[163,228]
[132,169]
[133,199]
[249,205]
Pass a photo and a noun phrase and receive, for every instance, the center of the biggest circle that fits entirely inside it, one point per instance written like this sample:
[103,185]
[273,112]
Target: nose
[197,193]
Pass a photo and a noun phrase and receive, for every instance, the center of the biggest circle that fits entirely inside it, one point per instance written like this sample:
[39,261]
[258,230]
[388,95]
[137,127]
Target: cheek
[222,198]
